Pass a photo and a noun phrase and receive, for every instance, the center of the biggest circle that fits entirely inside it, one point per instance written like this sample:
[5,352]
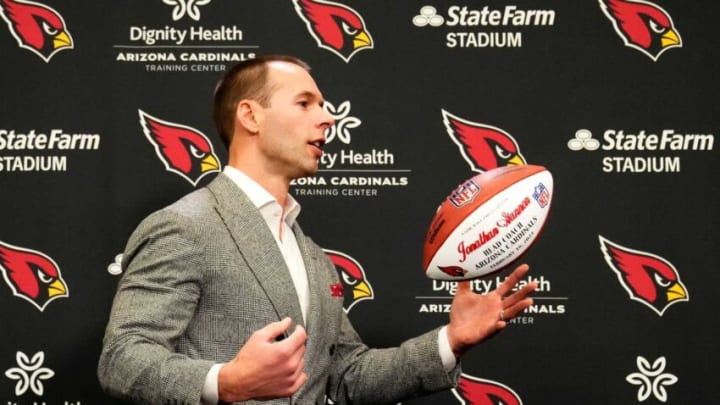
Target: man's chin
[307,172]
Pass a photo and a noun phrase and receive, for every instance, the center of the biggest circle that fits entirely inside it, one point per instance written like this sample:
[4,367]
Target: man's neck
[277,186]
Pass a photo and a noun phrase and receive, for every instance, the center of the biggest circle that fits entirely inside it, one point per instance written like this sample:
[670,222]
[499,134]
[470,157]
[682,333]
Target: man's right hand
[265,367]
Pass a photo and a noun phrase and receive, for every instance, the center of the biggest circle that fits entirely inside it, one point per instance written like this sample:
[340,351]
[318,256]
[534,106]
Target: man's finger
[512,279]
[296,339]
[275,330]
[520,294]
[463,287]
[514,310]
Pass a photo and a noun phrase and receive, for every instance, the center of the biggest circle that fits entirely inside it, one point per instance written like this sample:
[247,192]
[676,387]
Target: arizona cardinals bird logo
[483,147]
[36,27]
[642,25]
[477,391]
[355,286]
[648,278]
[31,275]
[184,150]
[453,271]
[335,27]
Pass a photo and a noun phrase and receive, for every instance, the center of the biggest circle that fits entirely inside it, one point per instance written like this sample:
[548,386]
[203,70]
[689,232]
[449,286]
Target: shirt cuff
[210,389]
[446,355]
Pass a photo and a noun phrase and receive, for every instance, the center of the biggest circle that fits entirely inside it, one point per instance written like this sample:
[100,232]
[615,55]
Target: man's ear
[249,115]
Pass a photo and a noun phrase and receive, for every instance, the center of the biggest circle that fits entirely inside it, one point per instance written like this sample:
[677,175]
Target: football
[487,222]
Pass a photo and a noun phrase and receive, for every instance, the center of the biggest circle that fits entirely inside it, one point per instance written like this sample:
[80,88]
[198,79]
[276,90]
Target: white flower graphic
[189,7]
[343,123]
[651,379]
[29,374]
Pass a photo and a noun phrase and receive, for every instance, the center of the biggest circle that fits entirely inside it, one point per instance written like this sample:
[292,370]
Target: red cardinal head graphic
[36,27]
[184,150]
[483,147]
[31,275]
[642,25]
[335,27]
[648,278]
[355,286]
[453,271]
[476,391]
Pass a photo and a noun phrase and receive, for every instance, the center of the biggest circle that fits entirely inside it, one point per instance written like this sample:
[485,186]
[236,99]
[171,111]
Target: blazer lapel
[315,279]
[257,247]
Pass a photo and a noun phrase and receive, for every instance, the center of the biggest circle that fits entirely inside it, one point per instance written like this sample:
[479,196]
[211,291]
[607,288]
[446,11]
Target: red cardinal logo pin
[36,27]
[184,151]
[648,278]
[642,25]
[31,275]
[477,391]
[484,147]
[335,27]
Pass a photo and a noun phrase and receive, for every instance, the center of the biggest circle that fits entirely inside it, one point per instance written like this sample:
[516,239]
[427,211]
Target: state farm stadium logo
[641,150]
[349,171]
[483,147]
[472,390]
[642,25]
[31,275]
[39,151]
[648,278]
[183,150]
[547,301]
[36,27]
[335,27]
[354,285]
[484,26]
[178,46]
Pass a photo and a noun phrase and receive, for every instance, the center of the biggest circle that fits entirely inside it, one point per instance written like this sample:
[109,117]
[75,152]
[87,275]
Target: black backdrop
[562,77]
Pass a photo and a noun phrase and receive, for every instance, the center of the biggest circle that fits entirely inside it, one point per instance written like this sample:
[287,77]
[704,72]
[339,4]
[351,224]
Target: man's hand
[474,317]
[265,368]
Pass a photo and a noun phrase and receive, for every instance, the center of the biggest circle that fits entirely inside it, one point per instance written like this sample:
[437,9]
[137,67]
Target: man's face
[292,128]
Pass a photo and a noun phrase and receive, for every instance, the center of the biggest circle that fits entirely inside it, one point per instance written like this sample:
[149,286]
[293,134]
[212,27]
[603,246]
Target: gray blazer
[203,274]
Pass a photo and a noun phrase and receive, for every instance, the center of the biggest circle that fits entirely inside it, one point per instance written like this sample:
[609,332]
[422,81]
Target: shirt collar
[261,198]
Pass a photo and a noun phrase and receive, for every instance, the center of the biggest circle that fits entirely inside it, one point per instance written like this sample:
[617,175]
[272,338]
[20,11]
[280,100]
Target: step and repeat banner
[617,98]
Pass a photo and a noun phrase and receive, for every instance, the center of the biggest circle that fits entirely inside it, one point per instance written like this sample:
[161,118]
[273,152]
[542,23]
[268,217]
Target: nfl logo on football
[464,193]
[541,195]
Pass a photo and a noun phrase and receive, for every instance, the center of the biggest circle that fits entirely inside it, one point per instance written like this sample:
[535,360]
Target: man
[225,299]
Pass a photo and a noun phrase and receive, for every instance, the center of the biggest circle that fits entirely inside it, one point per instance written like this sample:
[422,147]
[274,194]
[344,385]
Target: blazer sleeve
[362,375]
[155,301]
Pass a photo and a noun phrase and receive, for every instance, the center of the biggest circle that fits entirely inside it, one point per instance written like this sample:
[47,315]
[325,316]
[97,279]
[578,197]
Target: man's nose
[327,119]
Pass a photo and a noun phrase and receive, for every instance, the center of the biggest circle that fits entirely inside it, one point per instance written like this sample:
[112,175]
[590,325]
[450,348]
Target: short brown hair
[245,81]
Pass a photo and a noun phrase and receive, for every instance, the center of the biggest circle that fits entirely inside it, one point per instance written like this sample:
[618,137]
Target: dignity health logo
[186,47]
[29,373]
[651,379]
[348,171]
[182,8]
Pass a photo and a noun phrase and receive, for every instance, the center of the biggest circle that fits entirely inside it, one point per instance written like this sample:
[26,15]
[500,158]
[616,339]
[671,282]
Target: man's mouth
[318,144]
